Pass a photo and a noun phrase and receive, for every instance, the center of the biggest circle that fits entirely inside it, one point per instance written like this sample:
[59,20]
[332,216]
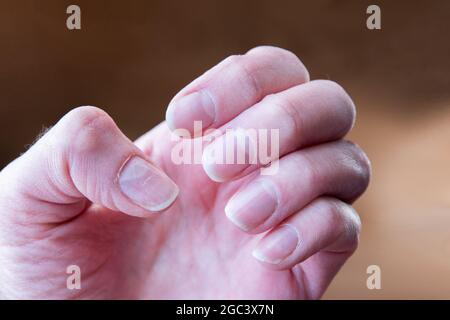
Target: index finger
[234,85]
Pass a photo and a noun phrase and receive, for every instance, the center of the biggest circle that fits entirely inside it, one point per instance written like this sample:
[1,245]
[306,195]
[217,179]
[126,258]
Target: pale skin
[86,195]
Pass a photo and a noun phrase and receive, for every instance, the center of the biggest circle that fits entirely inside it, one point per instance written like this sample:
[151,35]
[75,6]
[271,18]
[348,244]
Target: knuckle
[277,53]
[362,166]
[352,225]
[332,210]
[292,115]
[85,116]
[336,93]
[344,218]
[311,174]
[247,71]
[330,86]
[233,59]
[88,127]
[271,50]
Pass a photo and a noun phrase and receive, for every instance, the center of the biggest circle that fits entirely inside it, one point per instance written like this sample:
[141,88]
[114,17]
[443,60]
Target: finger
[304,115]
[339,169]
[327,225]
[84,157]
[234,85]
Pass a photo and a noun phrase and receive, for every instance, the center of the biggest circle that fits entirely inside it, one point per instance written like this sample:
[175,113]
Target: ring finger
[339,169]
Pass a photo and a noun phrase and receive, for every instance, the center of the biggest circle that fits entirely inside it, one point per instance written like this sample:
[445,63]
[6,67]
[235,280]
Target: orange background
[131,57]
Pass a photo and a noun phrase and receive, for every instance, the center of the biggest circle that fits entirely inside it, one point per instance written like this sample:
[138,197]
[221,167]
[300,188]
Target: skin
[62,201]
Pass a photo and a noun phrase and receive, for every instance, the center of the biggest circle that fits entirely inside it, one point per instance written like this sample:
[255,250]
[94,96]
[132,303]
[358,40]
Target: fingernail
[146,185]
[229,155]
[196,106]
[253,205]
[277,245]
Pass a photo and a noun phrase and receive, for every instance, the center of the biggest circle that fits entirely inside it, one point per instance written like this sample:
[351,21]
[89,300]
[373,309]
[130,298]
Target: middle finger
[308,114]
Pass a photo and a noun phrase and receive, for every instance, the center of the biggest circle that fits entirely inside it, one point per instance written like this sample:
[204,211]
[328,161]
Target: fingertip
[226,158]
[279,266]
[277,246]
[209,164]
[193,112]
[212,173]
[230,214]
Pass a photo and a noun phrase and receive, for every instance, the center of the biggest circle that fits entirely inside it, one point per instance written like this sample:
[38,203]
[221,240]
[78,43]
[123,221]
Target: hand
[140,226]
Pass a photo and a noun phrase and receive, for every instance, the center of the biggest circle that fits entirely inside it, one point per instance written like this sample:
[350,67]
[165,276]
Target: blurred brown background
[131,57]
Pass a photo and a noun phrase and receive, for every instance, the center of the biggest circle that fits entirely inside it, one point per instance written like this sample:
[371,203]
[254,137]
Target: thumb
[84,157]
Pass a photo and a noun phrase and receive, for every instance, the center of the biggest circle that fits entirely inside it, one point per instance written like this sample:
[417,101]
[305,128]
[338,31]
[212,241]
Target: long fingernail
[253,205]
[146,185]
[196,106]
[277,245]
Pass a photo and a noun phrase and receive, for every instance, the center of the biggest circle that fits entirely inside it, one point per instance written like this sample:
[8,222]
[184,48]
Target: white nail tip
[164,205]
[231,217]
[210,173]
[258,256]
[208,163]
